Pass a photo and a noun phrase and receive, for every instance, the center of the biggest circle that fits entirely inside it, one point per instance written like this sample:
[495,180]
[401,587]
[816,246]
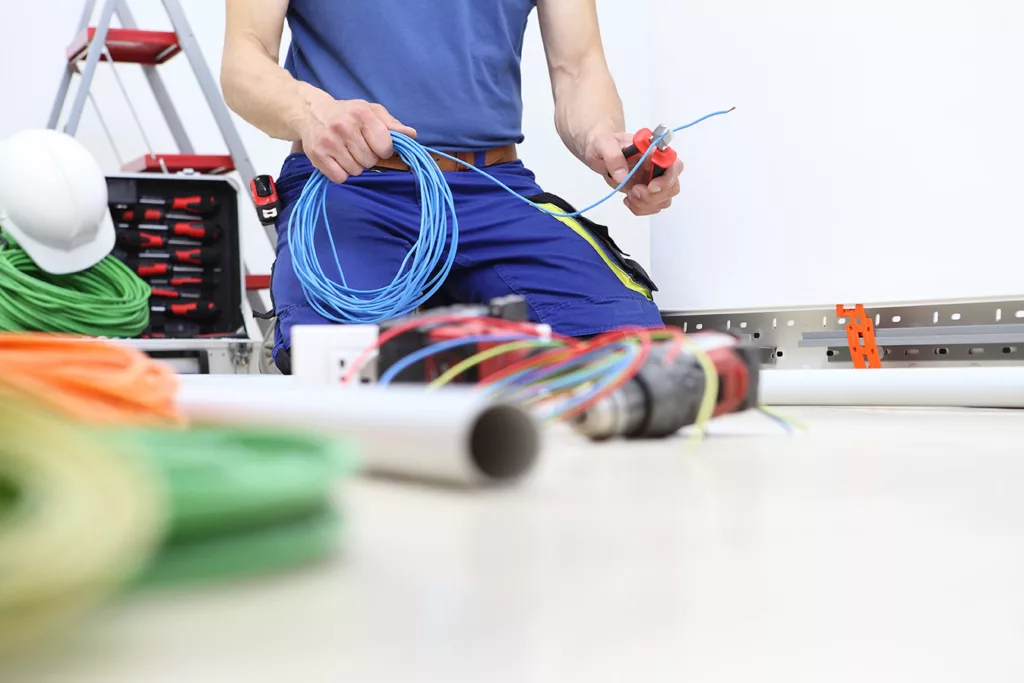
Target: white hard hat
[53,201]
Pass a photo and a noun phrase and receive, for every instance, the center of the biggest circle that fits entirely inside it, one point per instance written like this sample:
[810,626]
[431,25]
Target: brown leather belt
[498,155]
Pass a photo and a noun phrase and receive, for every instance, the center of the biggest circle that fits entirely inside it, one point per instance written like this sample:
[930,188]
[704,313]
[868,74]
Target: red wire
[402,328]
[553,356]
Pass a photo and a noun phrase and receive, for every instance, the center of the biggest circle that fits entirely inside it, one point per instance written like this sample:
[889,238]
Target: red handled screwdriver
[137,239]
[663,157]
[200,256]
[141,213]
[197,204]
[195,310]
[187,230]
[202,281]
[162,269]
[174,293]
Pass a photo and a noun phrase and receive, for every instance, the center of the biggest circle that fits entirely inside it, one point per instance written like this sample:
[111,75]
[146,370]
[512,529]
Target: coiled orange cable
[94,381]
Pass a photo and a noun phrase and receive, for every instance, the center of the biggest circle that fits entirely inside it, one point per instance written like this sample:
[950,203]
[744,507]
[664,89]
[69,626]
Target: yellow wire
[710,398]
[485,356]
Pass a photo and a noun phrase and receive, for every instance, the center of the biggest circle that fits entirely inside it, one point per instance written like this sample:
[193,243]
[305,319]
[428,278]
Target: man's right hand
[342,138]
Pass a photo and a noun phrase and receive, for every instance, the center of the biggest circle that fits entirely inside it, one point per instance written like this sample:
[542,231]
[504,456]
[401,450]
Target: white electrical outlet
[323,354]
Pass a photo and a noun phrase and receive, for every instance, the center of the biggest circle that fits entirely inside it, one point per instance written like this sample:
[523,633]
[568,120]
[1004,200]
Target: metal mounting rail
[908,335]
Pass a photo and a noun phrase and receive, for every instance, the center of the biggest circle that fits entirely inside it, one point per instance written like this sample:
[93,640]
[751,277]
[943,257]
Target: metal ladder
[149,49]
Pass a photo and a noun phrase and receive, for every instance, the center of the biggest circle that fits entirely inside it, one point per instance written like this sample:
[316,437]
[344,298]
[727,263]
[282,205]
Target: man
[446,72]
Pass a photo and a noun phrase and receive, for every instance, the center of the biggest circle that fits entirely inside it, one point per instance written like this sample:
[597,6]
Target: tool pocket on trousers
[631,273]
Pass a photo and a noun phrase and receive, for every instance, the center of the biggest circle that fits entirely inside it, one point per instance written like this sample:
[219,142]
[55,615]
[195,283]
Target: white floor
[884,545]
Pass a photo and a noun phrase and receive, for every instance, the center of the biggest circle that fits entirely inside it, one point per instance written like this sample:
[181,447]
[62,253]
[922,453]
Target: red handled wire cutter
[663,156]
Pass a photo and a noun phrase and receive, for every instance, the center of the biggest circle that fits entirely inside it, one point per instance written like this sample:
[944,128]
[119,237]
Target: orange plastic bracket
[860,335]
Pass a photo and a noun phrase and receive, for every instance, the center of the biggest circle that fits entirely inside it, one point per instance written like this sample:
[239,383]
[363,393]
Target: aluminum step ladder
[149,49]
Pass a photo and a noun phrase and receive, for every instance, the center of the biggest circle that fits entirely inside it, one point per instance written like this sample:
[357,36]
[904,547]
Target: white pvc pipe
[453,435]
[972,387]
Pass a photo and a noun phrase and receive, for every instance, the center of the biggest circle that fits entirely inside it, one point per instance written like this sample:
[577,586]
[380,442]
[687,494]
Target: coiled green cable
[242,502]
[107,300]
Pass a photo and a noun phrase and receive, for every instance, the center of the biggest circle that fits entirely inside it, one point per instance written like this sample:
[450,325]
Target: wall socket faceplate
[323,354]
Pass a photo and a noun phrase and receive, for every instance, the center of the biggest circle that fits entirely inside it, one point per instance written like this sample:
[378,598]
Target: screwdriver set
[181,235]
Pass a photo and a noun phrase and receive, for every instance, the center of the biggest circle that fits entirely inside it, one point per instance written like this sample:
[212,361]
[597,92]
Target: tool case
[182,234]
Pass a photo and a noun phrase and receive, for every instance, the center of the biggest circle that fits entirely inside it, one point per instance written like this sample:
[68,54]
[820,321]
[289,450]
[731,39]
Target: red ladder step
[206,164]
[131,46]
[257,282]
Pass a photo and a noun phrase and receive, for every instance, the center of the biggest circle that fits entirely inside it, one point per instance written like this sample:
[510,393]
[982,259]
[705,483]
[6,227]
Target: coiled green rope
[107,300]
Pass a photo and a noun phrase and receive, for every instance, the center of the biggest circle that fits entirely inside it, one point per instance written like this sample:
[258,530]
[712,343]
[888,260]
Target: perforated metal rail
[907,335]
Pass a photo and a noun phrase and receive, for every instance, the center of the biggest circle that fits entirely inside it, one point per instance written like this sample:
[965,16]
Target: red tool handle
[161,292]
[193,230]
[195,310]
[187,281]
[204,206]
[196,231]
[159,268]
[137,214]
[201,205]
[140,240]
[197,257]
[131,239]
[150,269]
[661,160]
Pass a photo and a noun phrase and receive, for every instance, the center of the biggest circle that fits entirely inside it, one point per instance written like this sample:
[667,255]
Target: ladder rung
[257,282]
[206,164]
[129,45]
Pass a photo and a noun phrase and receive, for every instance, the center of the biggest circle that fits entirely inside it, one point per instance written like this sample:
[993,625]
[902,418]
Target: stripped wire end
[789,424]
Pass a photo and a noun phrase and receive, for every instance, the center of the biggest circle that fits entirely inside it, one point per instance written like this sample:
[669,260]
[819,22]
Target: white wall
[876,154]
[33,59]
[557,170]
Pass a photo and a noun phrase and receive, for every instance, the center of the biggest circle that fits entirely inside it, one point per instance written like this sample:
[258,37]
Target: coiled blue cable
[427,265]
[423,270]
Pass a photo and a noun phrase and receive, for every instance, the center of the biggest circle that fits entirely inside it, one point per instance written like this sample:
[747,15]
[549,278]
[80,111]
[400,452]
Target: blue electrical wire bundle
[428,263]
[419,276]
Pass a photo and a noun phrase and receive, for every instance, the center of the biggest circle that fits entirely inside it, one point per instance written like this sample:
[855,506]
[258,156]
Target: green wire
[278,547]
[107,300]
[222,479]
[241,502]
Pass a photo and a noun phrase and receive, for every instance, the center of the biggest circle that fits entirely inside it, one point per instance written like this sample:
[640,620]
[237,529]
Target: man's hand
[604,155]
[345,137]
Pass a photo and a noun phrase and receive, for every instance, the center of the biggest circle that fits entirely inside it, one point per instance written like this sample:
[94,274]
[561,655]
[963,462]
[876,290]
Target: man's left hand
[604,155]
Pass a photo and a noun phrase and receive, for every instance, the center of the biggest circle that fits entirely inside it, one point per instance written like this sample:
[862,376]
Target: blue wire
[415,282]
[599,202]
[613,374]
[530,375]
[426,267]
[574,378]
[428,351]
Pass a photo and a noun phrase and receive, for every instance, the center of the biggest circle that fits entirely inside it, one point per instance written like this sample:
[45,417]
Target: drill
[664,397]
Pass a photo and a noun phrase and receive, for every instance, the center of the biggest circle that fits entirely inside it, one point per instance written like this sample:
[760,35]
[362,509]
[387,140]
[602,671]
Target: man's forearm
[264,94]
[586,104]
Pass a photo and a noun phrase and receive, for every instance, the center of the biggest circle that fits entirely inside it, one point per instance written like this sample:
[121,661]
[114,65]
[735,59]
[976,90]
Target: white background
[875,155]
[34,35]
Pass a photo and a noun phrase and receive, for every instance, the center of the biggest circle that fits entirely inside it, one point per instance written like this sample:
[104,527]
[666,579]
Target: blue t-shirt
[448,68]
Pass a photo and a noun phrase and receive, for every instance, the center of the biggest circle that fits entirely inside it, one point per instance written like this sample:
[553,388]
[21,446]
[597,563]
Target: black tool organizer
[226,293]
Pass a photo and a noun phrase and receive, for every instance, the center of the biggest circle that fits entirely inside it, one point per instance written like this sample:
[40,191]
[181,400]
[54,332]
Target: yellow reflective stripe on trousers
[578,228]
